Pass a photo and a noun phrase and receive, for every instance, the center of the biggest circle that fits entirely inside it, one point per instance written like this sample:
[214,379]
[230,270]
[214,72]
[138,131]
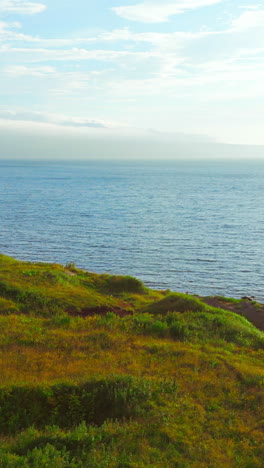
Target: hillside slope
[100,371]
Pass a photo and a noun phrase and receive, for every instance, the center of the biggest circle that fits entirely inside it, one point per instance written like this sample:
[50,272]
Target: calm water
[196,227]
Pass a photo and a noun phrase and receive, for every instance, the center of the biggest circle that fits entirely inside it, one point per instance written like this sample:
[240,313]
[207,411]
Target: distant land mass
[69,143]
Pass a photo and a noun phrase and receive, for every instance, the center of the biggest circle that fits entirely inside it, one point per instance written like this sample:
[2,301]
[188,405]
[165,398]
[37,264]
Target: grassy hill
[100,371]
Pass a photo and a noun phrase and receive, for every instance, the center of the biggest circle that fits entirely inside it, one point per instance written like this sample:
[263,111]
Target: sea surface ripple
[187,226]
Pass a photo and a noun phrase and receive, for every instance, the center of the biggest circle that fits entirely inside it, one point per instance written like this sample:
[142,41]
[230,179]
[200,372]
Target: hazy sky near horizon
[185,70]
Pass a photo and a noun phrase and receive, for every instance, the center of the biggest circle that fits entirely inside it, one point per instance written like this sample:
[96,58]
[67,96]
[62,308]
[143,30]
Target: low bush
[176,302]
[180,331]
[121,284]
[31,298]
[211,325]
[67,405]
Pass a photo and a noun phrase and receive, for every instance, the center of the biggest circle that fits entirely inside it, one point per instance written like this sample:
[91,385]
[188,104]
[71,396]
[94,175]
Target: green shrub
[179,331]
[32,297]
[121,284]
[142,321]
[67,405]
[48,457]
[61,320]
[158,328]
[176,302]
[9,460]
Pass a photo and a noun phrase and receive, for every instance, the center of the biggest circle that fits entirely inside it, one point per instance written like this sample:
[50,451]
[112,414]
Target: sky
[85,73]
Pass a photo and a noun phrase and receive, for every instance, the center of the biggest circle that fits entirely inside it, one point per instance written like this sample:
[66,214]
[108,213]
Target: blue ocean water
[188,226]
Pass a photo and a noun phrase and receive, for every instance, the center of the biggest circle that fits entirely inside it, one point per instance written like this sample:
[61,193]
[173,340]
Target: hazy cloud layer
[36,143]
[158,11]
[53,119]
[21,7]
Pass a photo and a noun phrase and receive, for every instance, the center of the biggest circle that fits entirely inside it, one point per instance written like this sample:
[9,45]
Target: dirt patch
[252,311]
[70,273]
[102,310]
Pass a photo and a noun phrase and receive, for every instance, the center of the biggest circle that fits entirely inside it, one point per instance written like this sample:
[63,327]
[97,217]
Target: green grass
[231,300]
[8,307]
[176,302]
[100,371]
[45,289]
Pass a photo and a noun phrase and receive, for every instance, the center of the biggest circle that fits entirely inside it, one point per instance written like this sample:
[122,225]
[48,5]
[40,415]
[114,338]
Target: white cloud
[35,55]
[123,71]
[4,25]
[251,7]
[157,39]
[152,11]
[8,35]
[237,75]
[53,119]
[21,7]
[250,19]
[21,70]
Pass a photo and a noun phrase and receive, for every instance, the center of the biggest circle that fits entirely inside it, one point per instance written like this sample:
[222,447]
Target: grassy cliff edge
[101,371]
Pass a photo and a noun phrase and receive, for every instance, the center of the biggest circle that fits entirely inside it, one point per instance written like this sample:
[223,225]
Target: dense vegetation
[99,371]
